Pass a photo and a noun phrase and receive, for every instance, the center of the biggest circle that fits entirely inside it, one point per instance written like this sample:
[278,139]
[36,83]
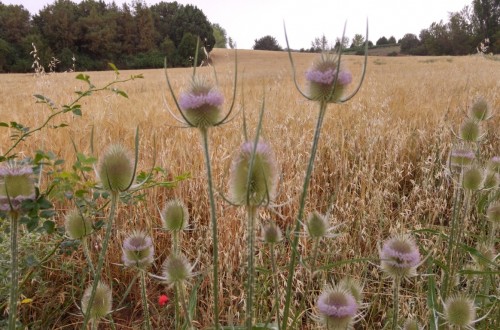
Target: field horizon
[381,169]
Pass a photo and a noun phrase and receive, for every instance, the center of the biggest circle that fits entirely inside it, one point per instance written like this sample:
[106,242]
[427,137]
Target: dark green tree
[382,41]
[486,22]
[220,36]
[409,43]
[391,40]
[267,43]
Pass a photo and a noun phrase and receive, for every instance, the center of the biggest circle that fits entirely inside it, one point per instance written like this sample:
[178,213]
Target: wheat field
[380,168]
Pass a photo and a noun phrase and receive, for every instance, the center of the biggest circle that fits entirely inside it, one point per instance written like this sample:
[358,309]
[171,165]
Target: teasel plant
[16,187]
[327,84]
[201,107]
[116,172]
[253,181]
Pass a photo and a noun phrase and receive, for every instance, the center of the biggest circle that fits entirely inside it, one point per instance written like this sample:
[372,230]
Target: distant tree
[409,42]
[187,49]
[382,41]
[231,43]
[146,33]
[344,42]
[320,44]
[391,40]
[357,41]
[486,22]
[220,36]
[191,19]
[267,43]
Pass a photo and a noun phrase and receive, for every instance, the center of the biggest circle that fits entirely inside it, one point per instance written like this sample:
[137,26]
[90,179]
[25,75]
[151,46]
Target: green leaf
[77,111]
[120,92]
[49,226]
[114,68]
[3,124]
[83,77]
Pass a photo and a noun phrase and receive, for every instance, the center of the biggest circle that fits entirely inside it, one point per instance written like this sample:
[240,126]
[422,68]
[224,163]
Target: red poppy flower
[163,300]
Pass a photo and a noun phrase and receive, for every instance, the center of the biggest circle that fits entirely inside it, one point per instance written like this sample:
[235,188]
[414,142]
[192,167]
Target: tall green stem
[251,210]
[395,303]
[14,276]
[86,252]
[451,244]
[180,289]
[275,284]
[298,221]
[100,262]
[145,305]
[213,217]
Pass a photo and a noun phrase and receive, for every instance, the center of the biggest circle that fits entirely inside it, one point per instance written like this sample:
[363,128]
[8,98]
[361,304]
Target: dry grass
[380,161]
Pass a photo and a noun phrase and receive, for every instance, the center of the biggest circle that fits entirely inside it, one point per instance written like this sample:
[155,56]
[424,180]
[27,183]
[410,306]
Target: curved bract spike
[136,158]
[223,120]
[195,63]
[294,73]
[363,72]
[173,95]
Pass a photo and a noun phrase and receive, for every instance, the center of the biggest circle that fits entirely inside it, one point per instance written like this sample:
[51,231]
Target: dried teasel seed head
[459,311]
[16,186]
[256,187]
[116,169]
[480,109]
[76,225]
[175,215]
[101,306]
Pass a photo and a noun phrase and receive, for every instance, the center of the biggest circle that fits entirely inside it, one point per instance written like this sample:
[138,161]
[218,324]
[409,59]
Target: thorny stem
[451,244]
[395,303]
[14,275]
[100,262]
[275,284]
[87,255]
[298,221]
[180,289]
[251,210]
[145,305]
[213,217]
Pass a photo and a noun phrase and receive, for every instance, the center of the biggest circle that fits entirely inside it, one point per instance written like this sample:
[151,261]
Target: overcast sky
[247,20]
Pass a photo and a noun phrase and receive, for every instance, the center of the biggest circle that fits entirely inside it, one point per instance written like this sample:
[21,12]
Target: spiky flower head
[201,104]
[326,84]
[494,164]
[470,131]
[461,157]
[16,186]
[473,179]
[175,215]
[138,250]
[459,311]
[411,324]
[116,169]
[76,225]
[493,213]
[354,287]
[486,259]
[400,256]
[177,269]
[101,306]
[271,233]
[480,109]
[337,308]
[253,184]
[491,180]
[316,225]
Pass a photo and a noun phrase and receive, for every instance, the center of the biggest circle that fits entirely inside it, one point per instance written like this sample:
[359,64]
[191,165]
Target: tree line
[88,35]
[474,28]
